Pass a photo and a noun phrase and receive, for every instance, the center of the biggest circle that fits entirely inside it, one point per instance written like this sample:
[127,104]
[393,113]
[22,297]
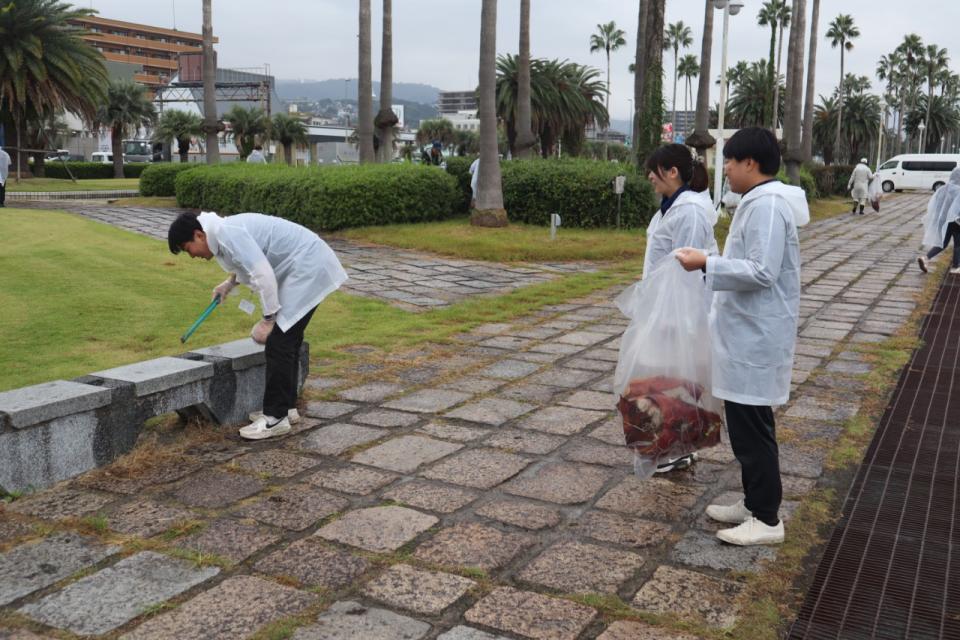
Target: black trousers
[754,440]
[283,353]
[3,194]
[953,233]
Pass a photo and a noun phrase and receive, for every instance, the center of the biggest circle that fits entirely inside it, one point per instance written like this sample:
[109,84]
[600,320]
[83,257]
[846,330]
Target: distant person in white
[474,180]
[860,181]
[4,173]
[256,156]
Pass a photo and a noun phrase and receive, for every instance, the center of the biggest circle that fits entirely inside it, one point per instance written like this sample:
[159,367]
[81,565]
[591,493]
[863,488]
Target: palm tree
[888,68]
[181,126]
[776,15]
[824,127]
[689,69]
[811,80]
[437,129]
[677,36]
[736,73]
[525,138]
[386,119]
[793,120]
[841,33]
[245,126]
[46,67]
[939,116]
[489,211]
[784,21]
[911,52]
[608,38]
[648,81]
[210,125]
[126,109]
[701,140]
[769,16]
[934,60]
[744,109]
[288,131]
[365,88]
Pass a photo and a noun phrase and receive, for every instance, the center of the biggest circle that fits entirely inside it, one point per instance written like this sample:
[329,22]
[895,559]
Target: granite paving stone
[334,439]
[428,401]
[371,392]
[129,484]
[109,598]
[524,441]
[699,549]
[531,615]
[406,454]
[556,348]
[350,479]
[35,565]
[591,400]
[622,530]
[688,593]
[294,507]
[519,513]
[509,369]
[564,377]
[560,482]
[593,453]
[469,544]
[577,567]
[313,563]
[147,518]
[416,590]
[213,489]
[328,410]
[582,338]
[235,608]
[798,462]
[431,496]
[378,528]
[230,539]
[10,529]
[610,431]
[477,468]
[472,384]
[528,392]
[564,421]
[655,498]
[469,633]
[632,630]
[349,620]
[510,343]
[21,634]
[59,503]
[491,411]
[385,418]
[274,463]
[453,432]
[816,408]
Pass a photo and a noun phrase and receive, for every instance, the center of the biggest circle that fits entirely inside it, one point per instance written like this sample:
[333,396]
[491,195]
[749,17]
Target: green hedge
[158,179]
[807,182]
[581,191]
[832,180]
[92,170]
[326,198]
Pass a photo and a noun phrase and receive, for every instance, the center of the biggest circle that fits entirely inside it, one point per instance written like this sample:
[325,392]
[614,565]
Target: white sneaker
[293,416]
[752,532]
[955,270]
[261,428]
[683,462]
[922,261]
[731,514]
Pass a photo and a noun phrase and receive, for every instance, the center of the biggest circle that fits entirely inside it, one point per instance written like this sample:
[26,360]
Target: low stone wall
[56,430]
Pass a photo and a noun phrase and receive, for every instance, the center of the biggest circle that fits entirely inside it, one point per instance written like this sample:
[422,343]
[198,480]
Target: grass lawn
[55,184]
[824,208]
[79,296]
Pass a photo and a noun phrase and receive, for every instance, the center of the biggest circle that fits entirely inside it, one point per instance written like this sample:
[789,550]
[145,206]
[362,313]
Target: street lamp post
[922,127]
[729,7]
[633,119]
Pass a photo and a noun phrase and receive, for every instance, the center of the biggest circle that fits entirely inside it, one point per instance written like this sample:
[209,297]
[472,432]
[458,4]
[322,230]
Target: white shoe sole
[749,543]
[718,512]
[293,416]
[264,434]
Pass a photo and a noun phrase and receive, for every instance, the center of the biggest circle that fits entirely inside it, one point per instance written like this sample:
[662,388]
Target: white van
[926,171]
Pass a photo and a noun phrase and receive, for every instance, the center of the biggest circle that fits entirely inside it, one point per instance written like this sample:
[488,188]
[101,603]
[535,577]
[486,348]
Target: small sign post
[618,184]
[554,223]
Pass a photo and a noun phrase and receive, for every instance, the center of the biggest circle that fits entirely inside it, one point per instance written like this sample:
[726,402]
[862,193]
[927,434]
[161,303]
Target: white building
[463,120]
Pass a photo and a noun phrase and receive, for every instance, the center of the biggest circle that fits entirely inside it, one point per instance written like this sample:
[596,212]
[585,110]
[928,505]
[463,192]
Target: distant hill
[341,88]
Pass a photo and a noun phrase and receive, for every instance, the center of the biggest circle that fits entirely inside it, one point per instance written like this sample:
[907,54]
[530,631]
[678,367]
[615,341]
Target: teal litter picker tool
[203,316]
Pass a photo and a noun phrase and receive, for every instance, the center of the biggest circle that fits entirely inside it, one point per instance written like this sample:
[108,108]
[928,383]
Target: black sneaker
[683,462]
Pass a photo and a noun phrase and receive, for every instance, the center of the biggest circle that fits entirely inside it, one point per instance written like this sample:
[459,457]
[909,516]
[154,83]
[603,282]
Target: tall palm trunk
[776,82]
[926,121]
[651,117]
[386,118]
[525,138]
[210,127]
[365,88]
[183,148]
[901,116]
[639,75]
[793,123]
[674,120]
[811,80]
[489,211]
[701,140]
[606,150]
[116,146]
[840,99]
[771,70]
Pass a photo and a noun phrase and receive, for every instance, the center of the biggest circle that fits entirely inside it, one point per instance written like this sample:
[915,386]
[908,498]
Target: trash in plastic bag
[874,192]
[663,376]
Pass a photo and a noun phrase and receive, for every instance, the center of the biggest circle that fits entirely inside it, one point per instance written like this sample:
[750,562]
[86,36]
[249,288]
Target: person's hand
[691,259]
[223,289]
[262,330]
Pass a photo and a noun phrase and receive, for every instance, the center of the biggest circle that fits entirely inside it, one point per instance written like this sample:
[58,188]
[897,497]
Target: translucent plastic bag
[663,378]
[874,191]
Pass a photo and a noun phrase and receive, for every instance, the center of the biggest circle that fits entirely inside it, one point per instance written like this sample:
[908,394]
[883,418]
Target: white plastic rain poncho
[289,266]
[860,181]
[943,208]
[687,223]
[4,167]
[756,285]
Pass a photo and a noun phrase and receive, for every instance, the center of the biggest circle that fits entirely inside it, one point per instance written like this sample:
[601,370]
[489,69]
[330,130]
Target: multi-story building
[457,101]
[150,55]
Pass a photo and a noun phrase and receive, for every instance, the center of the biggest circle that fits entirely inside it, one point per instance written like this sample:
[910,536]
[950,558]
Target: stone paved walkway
[408,279]
[458,499]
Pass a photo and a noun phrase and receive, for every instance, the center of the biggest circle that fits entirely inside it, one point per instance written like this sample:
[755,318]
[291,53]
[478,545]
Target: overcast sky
[436,42]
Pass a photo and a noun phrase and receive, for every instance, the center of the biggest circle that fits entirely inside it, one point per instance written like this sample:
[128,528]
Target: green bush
[327,198]
[581,191]
[832,180]
[91,170]
[158,179]
[459,168]
[807,182]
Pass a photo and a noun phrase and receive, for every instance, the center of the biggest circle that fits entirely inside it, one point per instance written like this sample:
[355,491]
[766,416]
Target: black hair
[679,157]
[258,147]
[181,231]
[757,144]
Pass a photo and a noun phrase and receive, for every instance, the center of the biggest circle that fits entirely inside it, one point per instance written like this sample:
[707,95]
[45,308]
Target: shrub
[158,179]
[326,198]
[459,168]
[831,180]
[807,182]
[92,170]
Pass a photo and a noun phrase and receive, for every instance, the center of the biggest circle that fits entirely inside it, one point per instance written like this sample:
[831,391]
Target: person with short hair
[859,185]
[942,223]
[291,269]
[753,326]
[256,156]
[4,174]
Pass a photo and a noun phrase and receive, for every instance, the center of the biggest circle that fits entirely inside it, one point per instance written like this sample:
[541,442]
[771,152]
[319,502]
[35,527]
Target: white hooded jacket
[943,208]
[289,266]
[688,223]
[860,181]
[756,285]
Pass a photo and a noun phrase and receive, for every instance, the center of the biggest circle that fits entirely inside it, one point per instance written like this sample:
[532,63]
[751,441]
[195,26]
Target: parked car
[924,171]
[104,157]
[59,154]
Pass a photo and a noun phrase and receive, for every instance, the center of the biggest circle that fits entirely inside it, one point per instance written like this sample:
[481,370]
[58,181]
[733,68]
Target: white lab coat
[860,181]
[256,157]
[4,167]
[289,266]
[474,176]
[943,208]
[756,285]
[688,223]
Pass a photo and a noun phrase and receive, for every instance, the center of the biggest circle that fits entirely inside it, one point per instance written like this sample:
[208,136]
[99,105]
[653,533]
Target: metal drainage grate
[892,566]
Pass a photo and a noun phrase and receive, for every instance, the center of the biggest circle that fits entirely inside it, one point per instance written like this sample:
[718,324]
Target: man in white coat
[753,326]
[4,174]
[291,269]
[860,183]
[256,156]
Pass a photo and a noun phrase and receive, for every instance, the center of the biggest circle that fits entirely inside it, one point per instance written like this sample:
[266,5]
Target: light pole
[729,7]
[883,118]
[633,119]
[922,127]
